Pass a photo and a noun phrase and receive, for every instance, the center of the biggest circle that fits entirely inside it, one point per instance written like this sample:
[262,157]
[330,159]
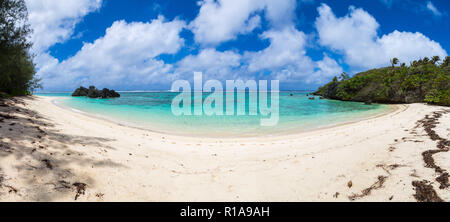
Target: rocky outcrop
[80,92]
[92,92]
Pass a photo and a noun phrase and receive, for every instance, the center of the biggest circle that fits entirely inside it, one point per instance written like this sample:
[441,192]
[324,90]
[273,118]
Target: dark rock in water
[311,98]
[321,97]
[368,102]
[92,92]
[81,92]
[106,93]
[292,94]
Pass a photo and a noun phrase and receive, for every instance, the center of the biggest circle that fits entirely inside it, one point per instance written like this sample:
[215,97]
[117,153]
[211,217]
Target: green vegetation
[17,70]
[425,80]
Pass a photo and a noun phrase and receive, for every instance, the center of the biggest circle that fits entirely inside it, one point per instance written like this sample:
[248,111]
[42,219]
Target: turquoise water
[152,110]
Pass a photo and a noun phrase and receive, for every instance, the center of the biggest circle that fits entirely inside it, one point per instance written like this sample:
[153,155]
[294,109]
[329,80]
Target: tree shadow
[39,161]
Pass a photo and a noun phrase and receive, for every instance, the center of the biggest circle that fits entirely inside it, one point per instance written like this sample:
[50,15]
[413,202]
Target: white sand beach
[48,153]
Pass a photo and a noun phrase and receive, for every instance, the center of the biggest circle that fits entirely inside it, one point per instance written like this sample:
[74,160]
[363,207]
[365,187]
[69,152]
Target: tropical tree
[435,59]
[394,62]
[344,76]
[17,70]
[446,62]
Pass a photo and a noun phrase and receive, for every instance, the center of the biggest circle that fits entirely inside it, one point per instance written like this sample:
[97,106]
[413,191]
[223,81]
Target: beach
[48,153]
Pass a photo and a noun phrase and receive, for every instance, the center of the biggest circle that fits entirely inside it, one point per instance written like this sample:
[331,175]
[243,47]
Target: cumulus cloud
[308,71]
[214,64]
[126,55]
[54,21]
[285,58]
[286,47]
[355,36]
[325,69]
[223,20]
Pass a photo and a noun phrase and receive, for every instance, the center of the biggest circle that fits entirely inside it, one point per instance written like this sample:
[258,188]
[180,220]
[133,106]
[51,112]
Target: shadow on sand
[39,159]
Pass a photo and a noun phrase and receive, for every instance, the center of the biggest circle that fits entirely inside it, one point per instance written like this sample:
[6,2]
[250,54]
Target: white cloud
[409,46]
[308,71]
[355,36]
[280,13]
[213,64]
[286,47]
[223,20]
[433,9]
[124,56]
[53,21]
[325,69]
[285,58]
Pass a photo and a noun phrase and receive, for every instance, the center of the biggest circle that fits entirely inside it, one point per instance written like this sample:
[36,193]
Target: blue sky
[146,45]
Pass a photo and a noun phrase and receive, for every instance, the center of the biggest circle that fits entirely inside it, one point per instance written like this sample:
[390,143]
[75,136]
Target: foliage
[17,70]
[394,62]
[424,81]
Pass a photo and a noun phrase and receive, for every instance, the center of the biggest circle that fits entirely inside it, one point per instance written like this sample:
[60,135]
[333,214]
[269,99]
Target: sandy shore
[48,153]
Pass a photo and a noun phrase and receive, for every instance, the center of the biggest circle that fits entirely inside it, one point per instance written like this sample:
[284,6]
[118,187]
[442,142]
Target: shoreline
[291,132]
[54,154]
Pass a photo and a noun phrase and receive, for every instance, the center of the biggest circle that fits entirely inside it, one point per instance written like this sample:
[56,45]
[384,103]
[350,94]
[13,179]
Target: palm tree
[394,62]
[446,62]
[435,59]
[344,76]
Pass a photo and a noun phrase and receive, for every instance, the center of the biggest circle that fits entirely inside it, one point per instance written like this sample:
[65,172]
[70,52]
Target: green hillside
[426,80]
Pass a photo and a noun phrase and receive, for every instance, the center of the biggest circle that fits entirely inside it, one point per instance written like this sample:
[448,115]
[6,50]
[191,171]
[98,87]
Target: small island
[92,92]
[424,81]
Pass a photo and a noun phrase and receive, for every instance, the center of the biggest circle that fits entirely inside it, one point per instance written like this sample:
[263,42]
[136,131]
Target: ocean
[152,111]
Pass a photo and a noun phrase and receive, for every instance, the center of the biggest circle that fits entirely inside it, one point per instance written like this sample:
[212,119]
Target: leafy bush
[424,81]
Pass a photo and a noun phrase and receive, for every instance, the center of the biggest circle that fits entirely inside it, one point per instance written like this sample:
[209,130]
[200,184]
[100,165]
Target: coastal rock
[80,92]
[106,93]
[92,92]
[311,98]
